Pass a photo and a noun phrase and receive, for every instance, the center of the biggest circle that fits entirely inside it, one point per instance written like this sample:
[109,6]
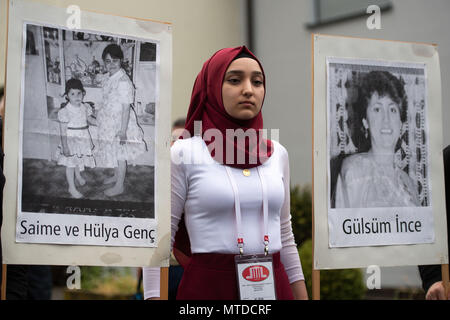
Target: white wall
[200,27]
[283,44]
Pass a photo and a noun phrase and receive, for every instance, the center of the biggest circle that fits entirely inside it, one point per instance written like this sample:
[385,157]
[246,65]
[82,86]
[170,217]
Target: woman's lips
[247,103]
[386,131]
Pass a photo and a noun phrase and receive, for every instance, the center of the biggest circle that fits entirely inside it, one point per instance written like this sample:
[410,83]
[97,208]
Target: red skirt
[212,276]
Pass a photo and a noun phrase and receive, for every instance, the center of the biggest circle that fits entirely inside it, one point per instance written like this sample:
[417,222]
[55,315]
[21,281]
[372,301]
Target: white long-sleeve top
[202,190]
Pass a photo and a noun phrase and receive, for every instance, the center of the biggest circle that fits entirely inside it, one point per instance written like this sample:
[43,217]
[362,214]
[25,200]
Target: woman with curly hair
[371,178]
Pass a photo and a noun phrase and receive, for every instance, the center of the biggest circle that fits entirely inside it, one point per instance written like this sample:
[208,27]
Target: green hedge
[109,280]
[301,211]
[334,284]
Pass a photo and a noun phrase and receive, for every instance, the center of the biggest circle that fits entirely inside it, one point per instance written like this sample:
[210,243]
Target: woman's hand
[299,290]
[124,123]
[122,135]
[437,292]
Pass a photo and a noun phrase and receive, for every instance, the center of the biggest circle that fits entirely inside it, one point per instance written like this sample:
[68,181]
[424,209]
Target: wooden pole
[3,293]
[2,111]
[164,284]
[3,288]
[445,279]
[316,284]
[315,273]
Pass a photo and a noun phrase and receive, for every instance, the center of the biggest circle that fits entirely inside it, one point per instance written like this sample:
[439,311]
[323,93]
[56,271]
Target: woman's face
[243,89]
[383,120]
[112,64]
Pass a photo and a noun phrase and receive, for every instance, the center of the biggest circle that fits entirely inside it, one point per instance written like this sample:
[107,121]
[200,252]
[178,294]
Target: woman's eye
[233,80]
[257,83]
[394,110]
[376,109]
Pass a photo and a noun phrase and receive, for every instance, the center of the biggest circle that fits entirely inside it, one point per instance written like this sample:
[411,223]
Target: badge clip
[266,245]
[241,246]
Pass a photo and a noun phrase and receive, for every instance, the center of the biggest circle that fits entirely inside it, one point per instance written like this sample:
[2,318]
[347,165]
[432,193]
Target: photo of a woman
[120,138]
[378,154]
[372,178]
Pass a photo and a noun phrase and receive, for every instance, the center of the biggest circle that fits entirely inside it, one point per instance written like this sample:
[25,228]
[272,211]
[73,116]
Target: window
[327,11]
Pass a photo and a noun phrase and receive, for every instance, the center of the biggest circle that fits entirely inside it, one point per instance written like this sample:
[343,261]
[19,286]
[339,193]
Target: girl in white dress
[75,151]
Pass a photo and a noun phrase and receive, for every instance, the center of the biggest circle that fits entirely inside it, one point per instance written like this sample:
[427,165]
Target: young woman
[371,178]
[232,205]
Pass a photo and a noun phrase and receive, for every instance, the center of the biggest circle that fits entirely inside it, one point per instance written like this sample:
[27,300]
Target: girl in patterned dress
[120,138]
[75,151]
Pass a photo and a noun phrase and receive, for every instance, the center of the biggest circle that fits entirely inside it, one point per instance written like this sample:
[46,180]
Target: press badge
[255,277]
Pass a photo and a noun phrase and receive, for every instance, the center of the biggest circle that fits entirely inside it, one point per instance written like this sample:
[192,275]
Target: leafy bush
[301,211]
[108,280]
[334,284]
[90,276]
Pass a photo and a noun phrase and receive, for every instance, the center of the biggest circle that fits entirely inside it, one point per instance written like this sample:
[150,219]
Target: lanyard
[237,209]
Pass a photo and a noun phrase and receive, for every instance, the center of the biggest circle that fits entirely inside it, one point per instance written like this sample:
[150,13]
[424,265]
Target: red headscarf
[207,106]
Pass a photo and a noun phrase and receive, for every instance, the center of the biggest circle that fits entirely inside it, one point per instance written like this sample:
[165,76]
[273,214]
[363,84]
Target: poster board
[151,108]
[348,60]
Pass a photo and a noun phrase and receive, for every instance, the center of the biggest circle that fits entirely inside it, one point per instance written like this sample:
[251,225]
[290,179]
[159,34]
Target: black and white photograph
[87,136]
[379,188]
[378,146]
